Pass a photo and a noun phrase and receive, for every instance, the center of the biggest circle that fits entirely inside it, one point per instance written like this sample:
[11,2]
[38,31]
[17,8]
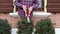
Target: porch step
[35,14]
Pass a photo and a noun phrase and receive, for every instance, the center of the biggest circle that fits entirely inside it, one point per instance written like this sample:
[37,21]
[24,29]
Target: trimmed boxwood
[24,27]
[4,27]
[44,27]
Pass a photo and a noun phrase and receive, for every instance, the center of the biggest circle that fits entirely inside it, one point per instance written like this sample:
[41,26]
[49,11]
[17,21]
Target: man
[23,5]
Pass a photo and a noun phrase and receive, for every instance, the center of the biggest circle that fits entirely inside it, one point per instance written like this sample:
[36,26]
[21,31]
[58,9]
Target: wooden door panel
[6,1]
[54,1]
[6,5]
[5,10]
[54,10]
[53,5]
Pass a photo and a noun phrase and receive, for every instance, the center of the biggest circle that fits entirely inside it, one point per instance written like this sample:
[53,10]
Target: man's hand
[30,10]
[24,7]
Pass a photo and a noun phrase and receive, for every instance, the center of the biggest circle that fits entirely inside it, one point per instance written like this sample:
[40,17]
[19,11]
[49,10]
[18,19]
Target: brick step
[14,25]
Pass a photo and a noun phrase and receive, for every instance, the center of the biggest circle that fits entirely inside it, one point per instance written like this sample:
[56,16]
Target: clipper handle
[27,15]
[27,12]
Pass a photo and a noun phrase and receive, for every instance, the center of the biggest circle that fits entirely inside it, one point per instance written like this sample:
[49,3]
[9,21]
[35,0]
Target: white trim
[45,5]
[35,14]
[14,7]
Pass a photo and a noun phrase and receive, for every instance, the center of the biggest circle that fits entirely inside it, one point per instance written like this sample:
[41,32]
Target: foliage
[4,27]
[44,27]
[25,27]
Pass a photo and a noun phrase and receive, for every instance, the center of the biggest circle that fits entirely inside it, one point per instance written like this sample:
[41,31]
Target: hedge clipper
[27,15]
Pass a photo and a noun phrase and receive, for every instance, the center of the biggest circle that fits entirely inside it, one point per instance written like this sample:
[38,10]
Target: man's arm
[35,4]
[17,3]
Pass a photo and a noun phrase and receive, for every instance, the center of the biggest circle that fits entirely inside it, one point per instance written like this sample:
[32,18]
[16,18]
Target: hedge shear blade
[28,19]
